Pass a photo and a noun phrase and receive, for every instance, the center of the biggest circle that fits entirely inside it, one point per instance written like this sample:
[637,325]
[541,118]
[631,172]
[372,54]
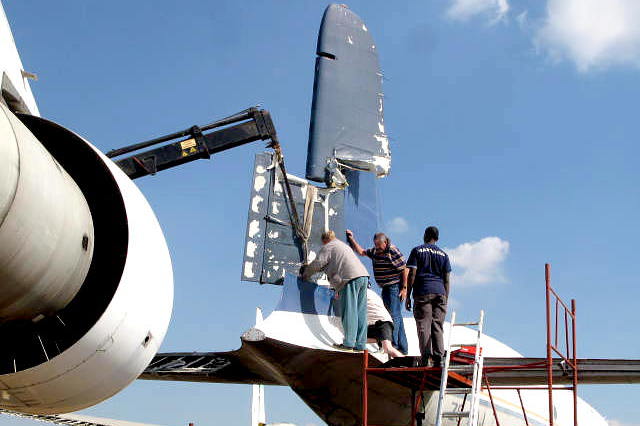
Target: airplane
[79,333]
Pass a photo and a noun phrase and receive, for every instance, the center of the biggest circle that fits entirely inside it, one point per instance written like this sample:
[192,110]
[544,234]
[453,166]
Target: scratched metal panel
[271,249]
[282,252]
[258,209]
[347,120]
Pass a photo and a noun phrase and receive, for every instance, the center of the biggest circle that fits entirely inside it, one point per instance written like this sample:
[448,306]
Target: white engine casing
[125,337]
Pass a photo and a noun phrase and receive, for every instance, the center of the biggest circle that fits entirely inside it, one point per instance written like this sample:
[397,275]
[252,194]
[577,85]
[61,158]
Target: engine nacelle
[81,334]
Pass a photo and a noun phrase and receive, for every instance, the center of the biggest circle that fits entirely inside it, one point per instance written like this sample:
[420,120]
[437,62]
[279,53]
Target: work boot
[436,361]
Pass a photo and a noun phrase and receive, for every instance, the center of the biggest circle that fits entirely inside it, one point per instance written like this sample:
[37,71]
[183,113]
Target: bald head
[328,236]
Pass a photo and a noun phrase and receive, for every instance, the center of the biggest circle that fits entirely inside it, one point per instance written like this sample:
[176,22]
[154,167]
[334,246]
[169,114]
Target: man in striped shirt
[390,271]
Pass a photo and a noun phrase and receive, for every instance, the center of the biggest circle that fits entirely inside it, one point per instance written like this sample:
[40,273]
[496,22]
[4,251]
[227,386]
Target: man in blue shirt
[429,284]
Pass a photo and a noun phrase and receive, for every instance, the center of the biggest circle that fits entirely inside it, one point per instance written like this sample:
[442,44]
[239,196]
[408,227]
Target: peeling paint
[364,27]
[260,169]
[349,40]
[254,228]
[384,144]
[251,249]
[259,183]
[255,203]
[332,212]
[381,127]
[248,269]
[277,187]
[273,234]
[303,190]
[275,207]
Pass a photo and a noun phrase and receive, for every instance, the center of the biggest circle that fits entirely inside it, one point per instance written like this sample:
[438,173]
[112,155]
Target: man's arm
[445,279]
[318,264]
[354,244]
[446,284]
[411,277]
[412,267]
[403,284]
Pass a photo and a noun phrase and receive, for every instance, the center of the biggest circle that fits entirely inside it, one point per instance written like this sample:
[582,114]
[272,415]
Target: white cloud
[592,33]
[479,262]
[398,225]
[463,10]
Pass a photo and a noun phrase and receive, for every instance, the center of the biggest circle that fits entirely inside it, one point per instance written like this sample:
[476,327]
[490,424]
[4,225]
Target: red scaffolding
[568,355]
[560,339]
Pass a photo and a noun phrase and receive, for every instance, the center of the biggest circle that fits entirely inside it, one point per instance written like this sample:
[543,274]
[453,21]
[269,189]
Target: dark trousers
[429,310]
[391,299]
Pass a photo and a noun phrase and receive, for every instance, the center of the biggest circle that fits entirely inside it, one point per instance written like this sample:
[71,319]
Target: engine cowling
[87,324]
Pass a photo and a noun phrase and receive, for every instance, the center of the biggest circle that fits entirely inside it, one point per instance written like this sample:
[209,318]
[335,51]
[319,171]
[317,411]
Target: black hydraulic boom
[197,142]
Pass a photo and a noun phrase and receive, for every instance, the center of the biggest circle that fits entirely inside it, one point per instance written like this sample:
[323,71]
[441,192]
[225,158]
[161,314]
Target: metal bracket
[148,164]
[196,132]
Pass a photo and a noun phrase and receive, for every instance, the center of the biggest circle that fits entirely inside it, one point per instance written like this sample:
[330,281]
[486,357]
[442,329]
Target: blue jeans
[353,297]
[394,305]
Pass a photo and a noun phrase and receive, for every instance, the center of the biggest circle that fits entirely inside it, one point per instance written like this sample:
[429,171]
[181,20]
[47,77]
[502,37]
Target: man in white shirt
[380,324]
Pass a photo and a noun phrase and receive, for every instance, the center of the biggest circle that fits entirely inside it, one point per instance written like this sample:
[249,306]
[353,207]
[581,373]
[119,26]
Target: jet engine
[86,284]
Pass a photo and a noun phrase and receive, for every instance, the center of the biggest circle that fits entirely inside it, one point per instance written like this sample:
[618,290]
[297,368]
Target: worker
[429,285]
[350,279]
[380,325]
[391,275]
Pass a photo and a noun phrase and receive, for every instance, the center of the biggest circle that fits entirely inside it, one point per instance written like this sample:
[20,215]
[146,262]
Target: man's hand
[336,295]
[407,304]
[301,272]
[402,294]
[349,233]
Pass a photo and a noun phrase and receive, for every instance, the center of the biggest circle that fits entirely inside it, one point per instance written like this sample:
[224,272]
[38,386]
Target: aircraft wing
[243,366]
[73,419]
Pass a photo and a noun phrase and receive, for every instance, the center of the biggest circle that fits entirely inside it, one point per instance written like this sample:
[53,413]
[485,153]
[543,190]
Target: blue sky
[513,127]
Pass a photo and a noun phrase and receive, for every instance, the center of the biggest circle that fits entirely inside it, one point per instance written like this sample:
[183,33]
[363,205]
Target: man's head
[431,234]
[328,236]
[381,241]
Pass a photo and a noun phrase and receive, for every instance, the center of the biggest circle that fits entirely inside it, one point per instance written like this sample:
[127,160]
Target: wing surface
[73,419]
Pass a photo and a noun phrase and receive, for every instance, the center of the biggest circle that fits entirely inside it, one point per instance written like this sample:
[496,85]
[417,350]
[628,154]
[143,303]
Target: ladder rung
[464,344]
[465,324]
[459,391]
[455,414]
[460,367]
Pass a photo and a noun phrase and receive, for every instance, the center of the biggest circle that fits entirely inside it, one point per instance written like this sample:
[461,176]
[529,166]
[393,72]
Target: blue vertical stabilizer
[347,124]
[347,150]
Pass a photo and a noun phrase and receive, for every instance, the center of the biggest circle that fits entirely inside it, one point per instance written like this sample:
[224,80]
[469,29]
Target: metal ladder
[476,384]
